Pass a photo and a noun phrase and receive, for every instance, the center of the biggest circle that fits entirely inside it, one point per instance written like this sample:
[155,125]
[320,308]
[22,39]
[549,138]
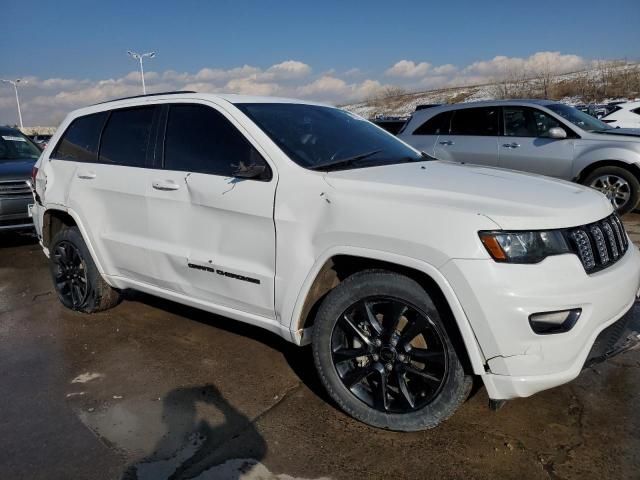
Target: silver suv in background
[537,136]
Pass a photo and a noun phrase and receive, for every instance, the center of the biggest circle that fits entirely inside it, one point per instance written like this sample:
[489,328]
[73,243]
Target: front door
[525,145]
[212,235]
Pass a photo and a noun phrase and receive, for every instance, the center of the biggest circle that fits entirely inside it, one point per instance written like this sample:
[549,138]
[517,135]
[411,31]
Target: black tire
[628,186]
[383,290]
[76,279]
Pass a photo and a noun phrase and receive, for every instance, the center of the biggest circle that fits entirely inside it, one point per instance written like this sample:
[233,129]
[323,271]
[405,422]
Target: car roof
[424,114]
[6,129]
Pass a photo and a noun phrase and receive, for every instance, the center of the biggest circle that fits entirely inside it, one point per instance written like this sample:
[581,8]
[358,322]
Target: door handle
[86,175]
[165,186]
[447,142]
[511,145]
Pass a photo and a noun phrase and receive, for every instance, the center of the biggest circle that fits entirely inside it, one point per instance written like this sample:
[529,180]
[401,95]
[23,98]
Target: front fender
[299,335]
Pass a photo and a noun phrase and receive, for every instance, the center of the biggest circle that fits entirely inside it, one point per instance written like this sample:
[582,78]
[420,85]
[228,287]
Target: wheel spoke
[425,375]
[371,317]
[392,315]
[411,331]
[355,376]
[404,389]
[356,330]
[345,354]
[381,393]
[424,356]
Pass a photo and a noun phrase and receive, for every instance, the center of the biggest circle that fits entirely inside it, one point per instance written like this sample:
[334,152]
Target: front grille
[599,245]
[14,189]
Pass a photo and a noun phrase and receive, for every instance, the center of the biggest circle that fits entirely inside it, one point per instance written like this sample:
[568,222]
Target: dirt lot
[152,389]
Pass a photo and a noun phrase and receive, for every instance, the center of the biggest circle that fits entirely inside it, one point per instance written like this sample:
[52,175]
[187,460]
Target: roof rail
[176,92]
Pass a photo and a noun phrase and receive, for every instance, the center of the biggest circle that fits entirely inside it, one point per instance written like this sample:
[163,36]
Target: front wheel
[384,355]
[619,185]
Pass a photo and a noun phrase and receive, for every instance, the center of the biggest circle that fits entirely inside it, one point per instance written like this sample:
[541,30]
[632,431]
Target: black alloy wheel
[389,354]
[70,274]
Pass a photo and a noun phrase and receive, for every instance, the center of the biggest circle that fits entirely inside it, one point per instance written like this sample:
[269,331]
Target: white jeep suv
[409,276]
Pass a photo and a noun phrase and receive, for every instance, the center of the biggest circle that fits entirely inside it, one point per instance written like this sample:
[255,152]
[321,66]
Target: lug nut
[378,342]
[401,357]
[388,366]
[375,357]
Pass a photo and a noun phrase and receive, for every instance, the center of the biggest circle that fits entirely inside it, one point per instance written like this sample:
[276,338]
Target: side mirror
[248,171]
[557,133]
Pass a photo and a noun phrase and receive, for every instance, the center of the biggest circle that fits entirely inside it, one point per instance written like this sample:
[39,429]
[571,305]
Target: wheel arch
[634,168]
[56,218]
[335,266]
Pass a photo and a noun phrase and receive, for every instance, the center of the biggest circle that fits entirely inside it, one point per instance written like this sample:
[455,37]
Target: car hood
[513,200]
[628,134]
[19,169]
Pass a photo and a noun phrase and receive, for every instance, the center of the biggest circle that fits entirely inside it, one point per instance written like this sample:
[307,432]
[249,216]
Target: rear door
[473,137]
[212,234]
[108,193]
[425,136]
[525,145]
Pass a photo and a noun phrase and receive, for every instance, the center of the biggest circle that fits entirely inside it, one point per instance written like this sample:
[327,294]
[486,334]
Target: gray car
[18,155]
[537,136]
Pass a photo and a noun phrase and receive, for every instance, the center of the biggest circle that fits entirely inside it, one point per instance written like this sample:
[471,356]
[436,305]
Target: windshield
[15,146]
[327,138]
[578,118]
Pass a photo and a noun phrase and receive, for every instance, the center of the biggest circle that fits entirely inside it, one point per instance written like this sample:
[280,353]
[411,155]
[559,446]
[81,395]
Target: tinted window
[438,125]
[475,121]
[636,111]
[527,122]
[200,139]
[313,136]
[80,141]
[126,139]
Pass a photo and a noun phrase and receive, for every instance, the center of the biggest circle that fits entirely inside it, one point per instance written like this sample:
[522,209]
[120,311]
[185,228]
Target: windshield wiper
[343,162]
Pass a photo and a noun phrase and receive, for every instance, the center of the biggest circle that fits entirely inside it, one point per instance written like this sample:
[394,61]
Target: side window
[438,125]
[126,139]
[636,111]
[200,139]
[79,143]
[544,123]
[527,122]
[475,121]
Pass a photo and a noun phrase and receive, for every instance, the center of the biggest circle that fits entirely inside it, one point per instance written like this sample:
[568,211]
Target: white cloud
[47,101]
[408,69]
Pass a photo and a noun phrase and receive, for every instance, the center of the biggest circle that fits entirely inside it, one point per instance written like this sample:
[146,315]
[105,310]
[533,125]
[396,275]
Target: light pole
[15,87]
[140,57]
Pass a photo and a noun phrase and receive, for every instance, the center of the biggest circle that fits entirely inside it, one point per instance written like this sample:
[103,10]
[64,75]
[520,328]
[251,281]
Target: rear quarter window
[79,142]
[476,121]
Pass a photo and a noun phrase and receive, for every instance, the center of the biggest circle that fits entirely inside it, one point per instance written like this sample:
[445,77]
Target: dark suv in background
[18,155]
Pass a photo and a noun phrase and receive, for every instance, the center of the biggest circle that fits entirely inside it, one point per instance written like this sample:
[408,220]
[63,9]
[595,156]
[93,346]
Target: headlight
[524,247]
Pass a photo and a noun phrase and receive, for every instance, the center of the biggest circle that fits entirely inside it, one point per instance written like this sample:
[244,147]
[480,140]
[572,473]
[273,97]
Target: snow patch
[87,377]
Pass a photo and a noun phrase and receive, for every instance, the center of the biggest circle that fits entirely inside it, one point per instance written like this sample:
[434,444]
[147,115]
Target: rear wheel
[75,276]
[619,185]
[384,355]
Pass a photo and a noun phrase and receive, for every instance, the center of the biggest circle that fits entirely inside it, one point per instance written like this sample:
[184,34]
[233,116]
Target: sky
[73,53]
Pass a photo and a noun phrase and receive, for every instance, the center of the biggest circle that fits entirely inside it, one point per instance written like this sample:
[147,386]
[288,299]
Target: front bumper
[14,213]
[498,299]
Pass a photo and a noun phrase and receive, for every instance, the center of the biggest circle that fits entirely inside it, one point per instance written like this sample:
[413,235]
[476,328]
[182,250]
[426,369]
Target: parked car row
[536,136]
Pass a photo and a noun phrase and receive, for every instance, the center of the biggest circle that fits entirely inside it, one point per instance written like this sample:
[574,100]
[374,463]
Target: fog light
[545,323]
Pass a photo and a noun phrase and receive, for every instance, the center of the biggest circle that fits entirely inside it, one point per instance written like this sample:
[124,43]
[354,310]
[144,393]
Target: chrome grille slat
[14,188]
[600,244]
